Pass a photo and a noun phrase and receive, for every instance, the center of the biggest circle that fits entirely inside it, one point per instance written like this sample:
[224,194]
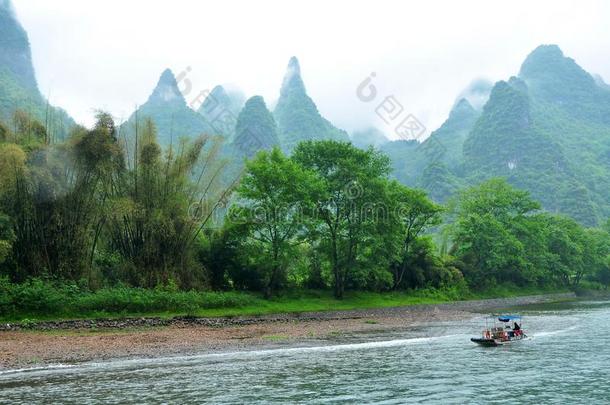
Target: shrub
[37,297]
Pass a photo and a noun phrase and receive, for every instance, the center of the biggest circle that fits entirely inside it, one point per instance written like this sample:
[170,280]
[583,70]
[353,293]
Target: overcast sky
[109,54]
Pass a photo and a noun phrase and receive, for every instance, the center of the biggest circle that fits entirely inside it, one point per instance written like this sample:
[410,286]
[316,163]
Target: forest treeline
[98,210]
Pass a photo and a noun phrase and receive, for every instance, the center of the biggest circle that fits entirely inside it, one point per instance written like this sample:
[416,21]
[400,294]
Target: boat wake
[554,332]
[348,346]
[34,369]
[152,362]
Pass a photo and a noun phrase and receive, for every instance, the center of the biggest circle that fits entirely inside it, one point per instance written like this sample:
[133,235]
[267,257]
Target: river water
[567,360]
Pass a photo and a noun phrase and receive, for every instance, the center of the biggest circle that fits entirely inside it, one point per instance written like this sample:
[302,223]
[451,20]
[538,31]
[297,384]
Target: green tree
[221,254]
[354,181]
[161,206]
[413,213]
[603,276]
[53,198]
[6,237]
[273,195]
[573,253]
[483,231]
[28,129]
[4,132]
[597,254]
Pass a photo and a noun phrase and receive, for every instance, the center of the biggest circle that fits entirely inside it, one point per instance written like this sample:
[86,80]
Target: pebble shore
[74,341]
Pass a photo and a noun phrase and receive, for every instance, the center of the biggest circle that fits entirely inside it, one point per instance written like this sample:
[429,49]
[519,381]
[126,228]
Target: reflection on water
[563,362]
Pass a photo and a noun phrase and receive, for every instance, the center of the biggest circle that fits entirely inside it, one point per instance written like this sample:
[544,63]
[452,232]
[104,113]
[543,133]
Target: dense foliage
[86,214]
[136,218]
[500,235]
[78,211]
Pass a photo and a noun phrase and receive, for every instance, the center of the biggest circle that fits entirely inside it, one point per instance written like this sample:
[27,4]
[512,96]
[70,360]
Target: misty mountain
[436,163]
[296,114]
[167,108]
[546,131]
[507,142]
[255,128]
[600,82]
[477,93]
[221,108]
[571,108]
[407,160]
[558,80]
[369,137]
[446,143]
[18,86]
[16,57]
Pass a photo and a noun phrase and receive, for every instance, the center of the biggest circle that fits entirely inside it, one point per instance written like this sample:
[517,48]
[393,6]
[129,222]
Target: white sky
[109,53]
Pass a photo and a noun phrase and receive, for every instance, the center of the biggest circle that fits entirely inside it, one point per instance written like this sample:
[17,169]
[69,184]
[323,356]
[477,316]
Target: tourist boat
[501,332]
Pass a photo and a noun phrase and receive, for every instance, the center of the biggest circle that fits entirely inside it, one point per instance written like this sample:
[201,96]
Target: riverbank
[76,341]
[34,302]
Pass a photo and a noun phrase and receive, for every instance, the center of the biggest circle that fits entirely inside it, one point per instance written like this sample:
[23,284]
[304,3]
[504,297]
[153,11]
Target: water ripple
[560,364]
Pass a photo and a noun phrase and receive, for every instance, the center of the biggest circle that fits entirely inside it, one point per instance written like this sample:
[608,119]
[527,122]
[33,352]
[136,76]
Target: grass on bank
[38,300]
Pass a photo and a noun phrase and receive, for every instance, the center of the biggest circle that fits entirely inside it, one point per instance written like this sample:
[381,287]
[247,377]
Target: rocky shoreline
[75,341]
[219,322]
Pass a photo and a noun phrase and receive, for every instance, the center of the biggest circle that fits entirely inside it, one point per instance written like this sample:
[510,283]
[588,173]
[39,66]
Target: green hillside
[255,129]
[168,110]
[220,109]
[546,131]
[296,114]
[18,87]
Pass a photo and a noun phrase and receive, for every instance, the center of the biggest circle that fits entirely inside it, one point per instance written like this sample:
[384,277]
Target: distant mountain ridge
[221,108]
[18,85]
[168,109]
[546,131]
[296,114]
[15,53]
[442,149]
[255,128]
[369,137]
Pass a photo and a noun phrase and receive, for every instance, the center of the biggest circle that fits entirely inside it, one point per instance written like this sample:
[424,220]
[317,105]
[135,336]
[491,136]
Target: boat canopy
[508,318]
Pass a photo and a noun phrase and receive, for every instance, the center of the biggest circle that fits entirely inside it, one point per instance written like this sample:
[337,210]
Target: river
[567,360]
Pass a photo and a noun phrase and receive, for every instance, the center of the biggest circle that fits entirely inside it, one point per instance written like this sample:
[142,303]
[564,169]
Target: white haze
[109,54]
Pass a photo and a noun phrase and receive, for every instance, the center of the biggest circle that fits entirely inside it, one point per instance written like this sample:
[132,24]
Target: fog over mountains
[546,129]
[18,85]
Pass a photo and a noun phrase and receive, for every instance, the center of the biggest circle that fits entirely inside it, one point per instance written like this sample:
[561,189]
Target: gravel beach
[67,342]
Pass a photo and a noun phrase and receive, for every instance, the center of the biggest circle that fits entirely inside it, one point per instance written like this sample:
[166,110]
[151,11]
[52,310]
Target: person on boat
[517,329]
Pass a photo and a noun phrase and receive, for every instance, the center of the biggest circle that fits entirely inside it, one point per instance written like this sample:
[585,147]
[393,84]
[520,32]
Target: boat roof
[508,318]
